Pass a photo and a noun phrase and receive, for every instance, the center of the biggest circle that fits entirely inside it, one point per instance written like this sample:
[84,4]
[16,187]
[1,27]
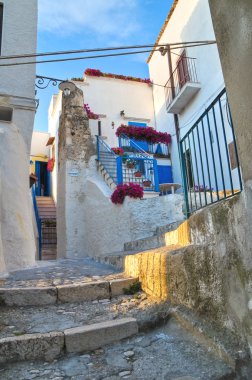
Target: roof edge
[175,2]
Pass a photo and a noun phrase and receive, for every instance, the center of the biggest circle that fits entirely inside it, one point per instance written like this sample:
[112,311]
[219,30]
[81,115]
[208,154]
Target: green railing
[209,157]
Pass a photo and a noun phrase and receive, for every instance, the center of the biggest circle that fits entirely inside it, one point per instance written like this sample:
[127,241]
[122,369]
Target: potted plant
[118,151]
[130,163]
[147,183]
[138,174]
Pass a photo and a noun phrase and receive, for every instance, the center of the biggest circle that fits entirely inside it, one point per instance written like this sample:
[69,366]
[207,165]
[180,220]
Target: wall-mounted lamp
[67,87]
[122,113]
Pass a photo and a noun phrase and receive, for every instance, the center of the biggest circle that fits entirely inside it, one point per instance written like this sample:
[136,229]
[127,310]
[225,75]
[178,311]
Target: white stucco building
[18,35]
[193,79]
[106,97]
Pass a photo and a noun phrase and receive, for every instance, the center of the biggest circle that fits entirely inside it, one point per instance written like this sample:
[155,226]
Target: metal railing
[184,72]
[159,149]
[135,167]
[38,221]
[126,143]
[109,160]
[209,157]
[142,171]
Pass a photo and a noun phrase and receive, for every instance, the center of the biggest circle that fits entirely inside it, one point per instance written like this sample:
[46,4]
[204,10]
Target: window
[183,72]
[6,113]
[1,26]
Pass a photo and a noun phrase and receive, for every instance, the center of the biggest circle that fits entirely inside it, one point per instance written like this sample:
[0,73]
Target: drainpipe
[99,127]
[176,120]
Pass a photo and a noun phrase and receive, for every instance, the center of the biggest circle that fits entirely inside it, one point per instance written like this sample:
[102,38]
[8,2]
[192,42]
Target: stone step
[51,345]
[45,333]
[176,233]
[166,352]
[75,292]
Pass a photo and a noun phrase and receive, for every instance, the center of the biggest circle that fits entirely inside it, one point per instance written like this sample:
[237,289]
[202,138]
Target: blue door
[42,187]
[142,144]
[165,174]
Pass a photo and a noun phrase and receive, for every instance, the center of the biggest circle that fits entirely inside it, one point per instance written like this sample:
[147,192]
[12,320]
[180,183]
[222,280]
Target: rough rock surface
[166,353]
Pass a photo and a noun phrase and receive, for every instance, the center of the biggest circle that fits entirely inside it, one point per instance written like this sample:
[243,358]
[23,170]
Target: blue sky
[81,24]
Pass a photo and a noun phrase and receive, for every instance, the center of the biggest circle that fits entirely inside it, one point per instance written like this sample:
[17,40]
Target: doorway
[43,183]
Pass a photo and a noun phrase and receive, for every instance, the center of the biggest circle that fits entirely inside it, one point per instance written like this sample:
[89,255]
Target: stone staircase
[47,215]
[60,321]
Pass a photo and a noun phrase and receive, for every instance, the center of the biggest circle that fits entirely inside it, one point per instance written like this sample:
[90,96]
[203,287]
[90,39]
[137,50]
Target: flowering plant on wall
[145,134]
[91,114]
[201,188]
[50,164]
[118,151]
[132,190]
[98,73]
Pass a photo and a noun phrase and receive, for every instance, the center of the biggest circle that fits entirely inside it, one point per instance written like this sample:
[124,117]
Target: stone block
[117,286]
[99,334]
[32,346]
[28,296]
[83,292]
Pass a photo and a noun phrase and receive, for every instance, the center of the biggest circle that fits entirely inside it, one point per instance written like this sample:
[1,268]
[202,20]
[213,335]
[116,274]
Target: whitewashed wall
[17,91]
[38,144]
[109,96]
[106,97]
[191,21]
[106,227]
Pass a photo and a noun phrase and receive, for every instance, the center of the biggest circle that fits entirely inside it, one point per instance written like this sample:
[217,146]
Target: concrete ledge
[28,296]
[83,292]
[32,346]
[117,286]
[88,338]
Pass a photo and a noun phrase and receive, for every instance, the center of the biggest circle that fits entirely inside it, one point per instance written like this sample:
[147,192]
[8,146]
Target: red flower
[98,73]
[90,114]
[144,134]
[118,151]
[133,190]
[50,164]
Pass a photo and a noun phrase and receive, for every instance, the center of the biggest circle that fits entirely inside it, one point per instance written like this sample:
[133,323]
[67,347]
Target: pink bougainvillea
[145,134]
[90,114]
[133,190]
[98,73]
[50,164]
[118,151]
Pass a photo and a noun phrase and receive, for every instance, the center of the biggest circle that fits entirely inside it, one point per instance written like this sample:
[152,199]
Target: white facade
[106,97]
[187,21]
[17,95]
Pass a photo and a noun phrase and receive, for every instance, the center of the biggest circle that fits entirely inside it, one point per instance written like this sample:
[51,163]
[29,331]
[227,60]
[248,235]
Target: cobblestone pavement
[59,272]
[165,353]
[16,321]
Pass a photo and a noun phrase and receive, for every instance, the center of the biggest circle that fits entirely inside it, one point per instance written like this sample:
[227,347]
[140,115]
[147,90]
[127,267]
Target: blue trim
[156,175]
[119,170]
[134,124]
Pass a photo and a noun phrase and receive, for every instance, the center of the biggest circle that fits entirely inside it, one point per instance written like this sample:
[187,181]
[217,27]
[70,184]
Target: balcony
[182,86]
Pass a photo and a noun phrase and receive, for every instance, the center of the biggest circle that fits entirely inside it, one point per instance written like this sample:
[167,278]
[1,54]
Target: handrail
[209,157]
[135,145]
[38,220]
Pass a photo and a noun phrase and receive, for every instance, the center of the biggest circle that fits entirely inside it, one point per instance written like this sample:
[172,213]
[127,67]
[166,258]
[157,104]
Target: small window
[6,114]
[1,26]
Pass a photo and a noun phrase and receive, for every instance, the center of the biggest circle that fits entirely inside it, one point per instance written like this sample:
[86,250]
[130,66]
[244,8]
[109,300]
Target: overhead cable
[64,52]
[96,56]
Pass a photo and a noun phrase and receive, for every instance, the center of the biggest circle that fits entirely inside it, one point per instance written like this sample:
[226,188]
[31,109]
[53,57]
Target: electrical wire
[97,56]
[64,52]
